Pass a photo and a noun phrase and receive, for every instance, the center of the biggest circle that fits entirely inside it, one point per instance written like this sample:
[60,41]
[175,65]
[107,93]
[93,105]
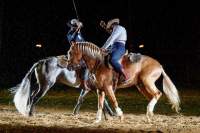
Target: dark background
[169,30]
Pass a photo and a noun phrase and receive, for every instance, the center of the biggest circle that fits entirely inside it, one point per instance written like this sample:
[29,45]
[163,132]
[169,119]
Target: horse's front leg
[106,105]
[101,98]
[113,100]
[80,101]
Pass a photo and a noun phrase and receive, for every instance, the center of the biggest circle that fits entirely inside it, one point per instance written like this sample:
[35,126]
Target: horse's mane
[91,50]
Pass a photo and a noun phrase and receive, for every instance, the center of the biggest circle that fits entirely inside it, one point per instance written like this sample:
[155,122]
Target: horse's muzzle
[73,66]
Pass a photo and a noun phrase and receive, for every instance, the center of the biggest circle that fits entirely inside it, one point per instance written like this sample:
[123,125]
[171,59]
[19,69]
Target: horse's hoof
[27,113]
[122,118]
[97,121]
[74,114]
[149,116]
[148,119]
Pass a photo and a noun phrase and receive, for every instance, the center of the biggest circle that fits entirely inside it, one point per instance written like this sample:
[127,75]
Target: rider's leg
[84,78]
[117,52]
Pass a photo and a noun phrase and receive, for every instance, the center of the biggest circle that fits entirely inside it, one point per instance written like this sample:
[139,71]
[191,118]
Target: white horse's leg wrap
[98,117]
[118,111]
[151,105]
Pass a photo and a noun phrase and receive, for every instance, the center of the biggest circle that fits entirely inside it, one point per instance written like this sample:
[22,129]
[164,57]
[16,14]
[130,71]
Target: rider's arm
[74,35]
[80,37]
[70,35]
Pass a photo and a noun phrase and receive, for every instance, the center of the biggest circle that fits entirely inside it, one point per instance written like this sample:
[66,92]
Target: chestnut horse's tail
[171,92]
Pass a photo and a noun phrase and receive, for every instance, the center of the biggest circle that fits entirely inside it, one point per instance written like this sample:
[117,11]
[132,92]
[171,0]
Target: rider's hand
[104,50]
[102,24]
[79,25]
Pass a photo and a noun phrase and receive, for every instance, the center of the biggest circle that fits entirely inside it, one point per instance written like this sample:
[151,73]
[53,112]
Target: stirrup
[126,81]
[123,79]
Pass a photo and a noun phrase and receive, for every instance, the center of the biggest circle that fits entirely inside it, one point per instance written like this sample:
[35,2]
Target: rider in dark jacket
[74,34]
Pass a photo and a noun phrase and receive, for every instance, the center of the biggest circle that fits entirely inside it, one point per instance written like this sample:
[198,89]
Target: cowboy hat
[111,22]
[74,23]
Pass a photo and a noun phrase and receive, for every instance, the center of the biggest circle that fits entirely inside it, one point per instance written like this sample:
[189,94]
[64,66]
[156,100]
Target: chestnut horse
[143,73]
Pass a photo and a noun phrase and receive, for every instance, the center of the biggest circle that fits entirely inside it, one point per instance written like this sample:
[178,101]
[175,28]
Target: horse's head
[87,51]
[74,55]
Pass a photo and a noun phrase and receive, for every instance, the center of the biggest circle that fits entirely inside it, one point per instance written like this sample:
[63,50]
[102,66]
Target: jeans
[85,73]
[118,50]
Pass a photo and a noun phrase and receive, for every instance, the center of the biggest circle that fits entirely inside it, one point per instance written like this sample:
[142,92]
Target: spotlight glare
[38,45]
[141,46]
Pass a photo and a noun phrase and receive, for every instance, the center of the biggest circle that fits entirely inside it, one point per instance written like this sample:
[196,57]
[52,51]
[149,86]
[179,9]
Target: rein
[75,9]
[96,66]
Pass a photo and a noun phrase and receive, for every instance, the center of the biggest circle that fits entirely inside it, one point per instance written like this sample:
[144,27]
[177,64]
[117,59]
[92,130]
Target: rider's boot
[124,75]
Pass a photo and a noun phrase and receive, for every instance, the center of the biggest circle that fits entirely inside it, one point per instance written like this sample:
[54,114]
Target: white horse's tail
[171,92]
[22,93]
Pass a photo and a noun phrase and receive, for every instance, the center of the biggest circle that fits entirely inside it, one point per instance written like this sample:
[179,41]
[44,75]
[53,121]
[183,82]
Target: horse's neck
[92,56]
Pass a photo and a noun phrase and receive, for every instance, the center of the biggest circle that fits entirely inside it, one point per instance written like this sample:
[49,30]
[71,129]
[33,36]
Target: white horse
[47,73]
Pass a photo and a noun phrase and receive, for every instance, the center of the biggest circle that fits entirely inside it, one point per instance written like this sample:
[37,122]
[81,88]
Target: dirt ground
[48,120]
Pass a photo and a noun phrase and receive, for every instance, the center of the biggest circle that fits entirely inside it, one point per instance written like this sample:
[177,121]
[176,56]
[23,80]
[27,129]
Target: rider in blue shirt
[74,34]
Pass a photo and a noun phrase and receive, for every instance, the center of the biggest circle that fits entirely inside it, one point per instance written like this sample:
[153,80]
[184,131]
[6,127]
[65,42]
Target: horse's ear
[126,53]
[73,43]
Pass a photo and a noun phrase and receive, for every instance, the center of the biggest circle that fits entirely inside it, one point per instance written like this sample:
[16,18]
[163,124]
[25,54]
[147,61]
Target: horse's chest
[104,78]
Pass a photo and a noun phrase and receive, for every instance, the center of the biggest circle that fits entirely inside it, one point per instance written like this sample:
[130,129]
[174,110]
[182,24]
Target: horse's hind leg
[152,93]
[144,91]
[43,88]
